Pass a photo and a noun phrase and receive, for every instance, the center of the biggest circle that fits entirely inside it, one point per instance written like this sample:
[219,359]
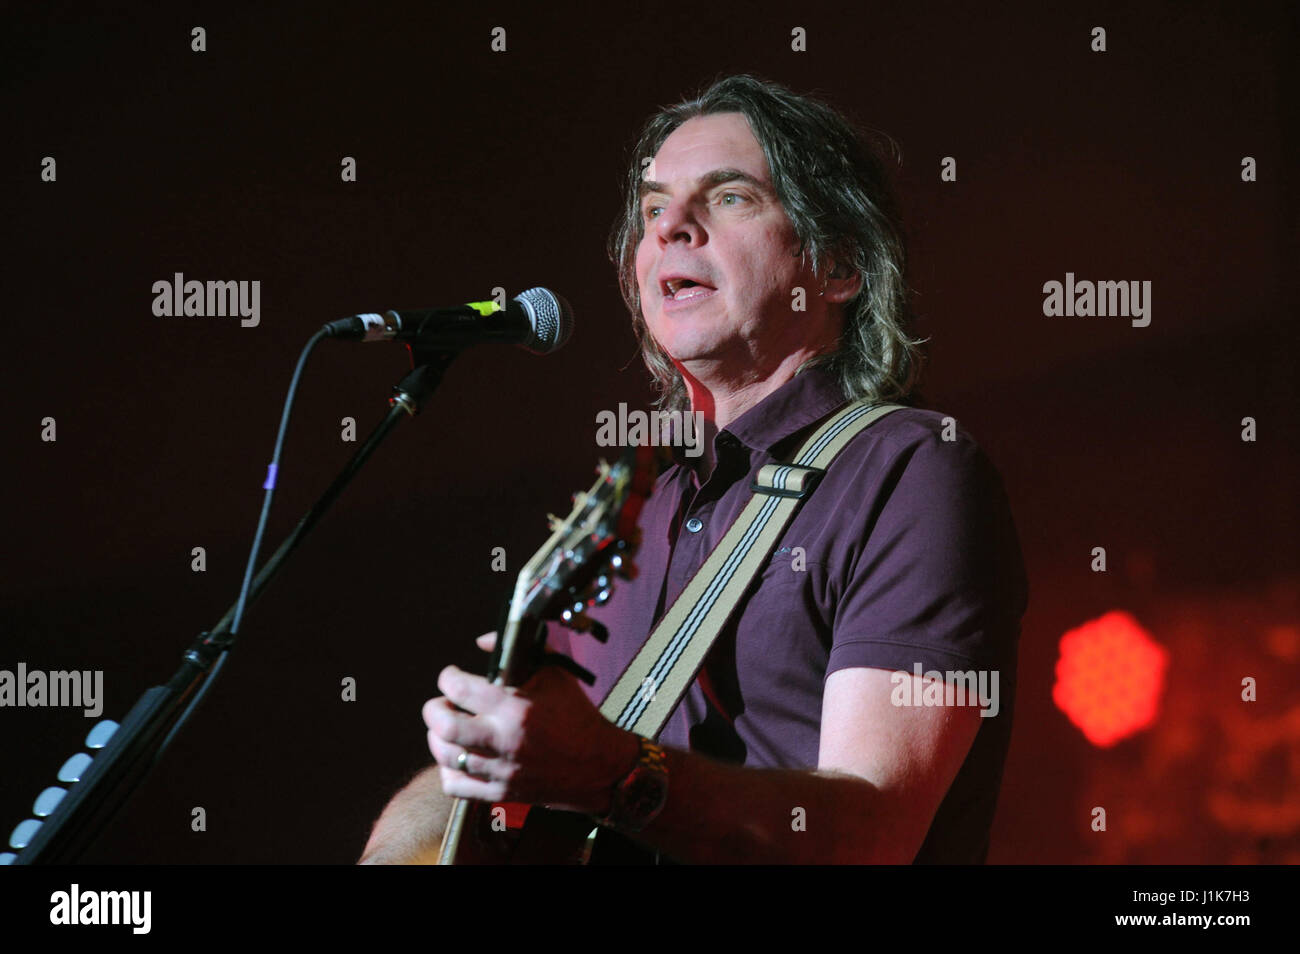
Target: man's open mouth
[683,289]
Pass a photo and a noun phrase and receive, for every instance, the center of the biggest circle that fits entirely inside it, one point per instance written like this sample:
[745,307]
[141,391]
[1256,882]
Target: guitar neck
[465,839]
[463,817]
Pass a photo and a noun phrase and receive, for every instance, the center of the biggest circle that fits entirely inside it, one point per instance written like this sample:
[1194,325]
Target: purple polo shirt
[910,556]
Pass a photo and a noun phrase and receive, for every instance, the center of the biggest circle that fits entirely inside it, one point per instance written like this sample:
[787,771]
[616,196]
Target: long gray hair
[833,186]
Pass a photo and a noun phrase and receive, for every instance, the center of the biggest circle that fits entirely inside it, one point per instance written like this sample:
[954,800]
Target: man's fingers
[447,722]
[447,755]
[469,692]
[487,642]
[460,785]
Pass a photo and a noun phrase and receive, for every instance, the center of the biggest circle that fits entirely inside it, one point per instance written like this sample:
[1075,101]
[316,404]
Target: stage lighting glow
[1109,678]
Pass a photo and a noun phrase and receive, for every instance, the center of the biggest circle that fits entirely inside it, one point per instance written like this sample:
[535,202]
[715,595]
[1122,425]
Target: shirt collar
[803,400]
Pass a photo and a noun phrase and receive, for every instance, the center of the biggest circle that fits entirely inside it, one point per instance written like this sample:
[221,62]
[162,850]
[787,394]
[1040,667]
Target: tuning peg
[568,665]
[553,522]
[582,623]
[604,589]
[623,566]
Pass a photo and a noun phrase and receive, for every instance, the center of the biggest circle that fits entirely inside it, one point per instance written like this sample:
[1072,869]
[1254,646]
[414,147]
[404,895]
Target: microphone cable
[272,472]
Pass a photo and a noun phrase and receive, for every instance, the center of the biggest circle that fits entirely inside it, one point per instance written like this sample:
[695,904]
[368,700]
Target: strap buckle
[787,480]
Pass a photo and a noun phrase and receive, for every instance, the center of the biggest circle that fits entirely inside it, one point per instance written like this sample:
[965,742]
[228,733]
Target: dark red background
[478,169]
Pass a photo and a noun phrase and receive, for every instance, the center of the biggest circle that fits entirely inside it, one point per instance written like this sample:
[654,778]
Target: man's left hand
[541,743]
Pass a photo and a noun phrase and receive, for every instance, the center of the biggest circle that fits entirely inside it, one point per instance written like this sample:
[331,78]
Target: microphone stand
[136,745]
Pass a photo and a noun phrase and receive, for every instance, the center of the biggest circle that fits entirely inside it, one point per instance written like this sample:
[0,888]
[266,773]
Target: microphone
[538,320]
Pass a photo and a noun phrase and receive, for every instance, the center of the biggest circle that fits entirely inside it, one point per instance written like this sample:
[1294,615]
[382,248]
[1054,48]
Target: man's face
[710,217]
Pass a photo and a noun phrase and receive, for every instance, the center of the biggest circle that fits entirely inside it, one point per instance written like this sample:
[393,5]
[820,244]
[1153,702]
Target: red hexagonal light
[1109,678]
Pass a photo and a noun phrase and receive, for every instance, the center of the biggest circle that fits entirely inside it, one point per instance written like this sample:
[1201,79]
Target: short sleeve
[937,578]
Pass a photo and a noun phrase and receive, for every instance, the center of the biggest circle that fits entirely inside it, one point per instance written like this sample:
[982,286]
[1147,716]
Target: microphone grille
[551,317]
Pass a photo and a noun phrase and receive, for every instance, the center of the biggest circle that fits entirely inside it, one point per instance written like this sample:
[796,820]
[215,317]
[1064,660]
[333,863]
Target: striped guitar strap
[662,670]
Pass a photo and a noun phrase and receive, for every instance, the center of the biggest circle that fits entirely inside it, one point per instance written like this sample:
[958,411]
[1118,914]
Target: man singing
[761,257]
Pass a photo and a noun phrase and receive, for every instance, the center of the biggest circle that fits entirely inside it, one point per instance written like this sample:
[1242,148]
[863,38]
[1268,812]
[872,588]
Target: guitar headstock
[577,566]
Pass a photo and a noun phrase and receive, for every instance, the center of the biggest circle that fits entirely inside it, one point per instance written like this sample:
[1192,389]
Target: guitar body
[548,837]
[551,837]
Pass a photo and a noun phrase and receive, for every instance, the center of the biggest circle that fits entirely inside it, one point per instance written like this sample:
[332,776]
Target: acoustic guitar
[574,570]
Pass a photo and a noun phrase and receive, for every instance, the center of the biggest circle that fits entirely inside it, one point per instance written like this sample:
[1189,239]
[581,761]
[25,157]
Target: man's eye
[730,195]
[650,211]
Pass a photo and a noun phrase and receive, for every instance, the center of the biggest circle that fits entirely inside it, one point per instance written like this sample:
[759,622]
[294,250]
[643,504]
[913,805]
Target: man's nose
[677,223]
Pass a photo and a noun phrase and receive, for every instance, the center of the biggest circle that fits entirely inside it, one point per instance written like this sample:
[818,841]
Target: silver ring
[462,760]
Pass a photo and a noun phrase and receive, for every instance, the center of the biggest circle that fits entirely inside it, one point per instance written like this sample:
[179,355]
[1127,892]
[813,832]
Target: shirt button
[694,525]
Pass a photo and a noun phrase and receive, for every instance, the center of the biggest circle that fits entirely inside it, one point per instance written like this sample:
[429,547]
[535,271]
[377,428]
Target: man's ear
[841,284]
